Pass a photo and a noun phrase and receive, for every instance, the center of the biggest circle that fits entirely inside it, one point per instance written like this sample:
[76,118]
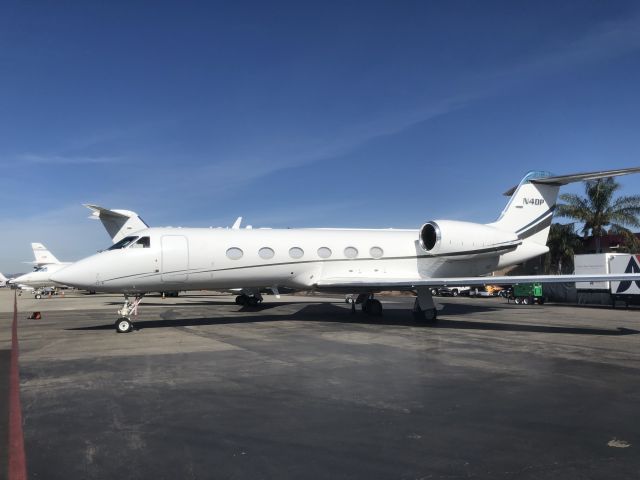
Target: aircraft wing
[409,284]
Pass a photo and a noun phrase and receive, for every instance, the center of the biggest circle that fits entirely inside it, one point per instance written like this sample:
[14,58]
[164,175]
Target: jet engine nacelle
[450,237]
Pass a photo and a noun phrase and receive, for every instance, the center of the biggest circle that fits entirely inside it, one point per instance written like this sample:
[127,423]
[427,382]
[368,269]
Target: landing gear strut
[124,323]
[424,310]
[249,300]
[370,305]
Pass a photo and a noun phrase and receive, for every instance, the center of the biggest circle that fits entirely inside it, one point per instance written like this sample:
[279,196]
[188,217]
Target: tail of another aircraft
[118,223]
[42,255]
[530,210]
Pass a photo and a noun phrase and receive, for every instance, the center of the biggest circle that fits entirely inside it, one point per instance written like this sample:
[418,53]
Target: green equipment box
[526,293]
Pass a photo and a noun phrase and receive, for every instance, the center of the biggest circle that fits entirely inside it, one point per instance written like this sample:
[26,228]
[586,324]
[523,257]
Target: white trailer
[594,264]
[602,263]
[627,292]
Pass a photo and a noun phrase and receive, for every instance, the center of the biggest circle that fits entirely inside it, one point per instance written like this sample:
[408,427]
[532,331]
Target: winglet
[236,224]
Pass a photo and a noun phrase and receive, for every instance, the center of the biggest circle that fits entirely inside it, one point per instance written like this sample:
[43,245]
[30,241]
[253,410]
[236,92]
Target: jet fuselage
[201,258]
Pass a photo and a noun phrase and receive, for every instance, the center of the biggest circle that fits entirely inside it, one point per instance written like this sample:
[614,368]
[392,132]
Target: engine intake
[429,235]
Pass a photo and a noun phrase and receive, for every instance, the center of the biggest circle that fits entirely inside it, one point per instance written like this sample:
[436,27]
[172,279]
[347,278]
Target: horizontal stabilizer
[98,211]
[582,177]
[560,180]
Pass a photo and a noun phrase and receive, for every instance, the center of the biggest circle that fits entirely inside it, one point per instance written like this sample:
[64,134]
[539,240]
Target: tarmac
[302,388]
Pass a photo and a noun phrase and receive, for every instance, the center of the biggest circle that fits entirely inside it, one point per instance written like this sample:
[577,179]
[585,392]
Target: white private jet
[117,223]
[440,253]
[45,265]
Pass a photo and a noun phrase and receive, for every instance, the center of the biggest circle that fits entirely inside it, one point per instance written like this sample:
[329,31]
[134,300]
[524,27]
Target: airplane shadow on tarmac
[332,313]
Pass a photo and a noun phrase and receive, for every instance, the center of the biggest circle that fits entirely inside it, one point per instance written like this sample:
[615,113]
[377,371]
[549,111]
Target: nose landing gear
[124,323]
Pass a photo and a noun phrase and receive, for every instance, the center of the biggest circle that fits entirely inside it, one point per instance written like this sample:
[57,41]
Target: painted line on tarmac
[17,459]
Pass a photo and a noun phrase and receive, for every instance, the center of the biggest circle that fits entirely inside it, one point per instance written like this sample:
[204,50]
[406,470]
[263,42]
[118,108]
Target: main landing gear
[249,300]
[370,305]
[424,310]
[124,323]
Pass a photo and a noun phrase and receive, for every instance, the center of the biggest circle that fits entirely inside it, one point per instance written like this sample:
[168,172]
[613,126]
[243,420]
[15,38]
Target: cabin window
[124,243]
[234,253]
[376,252]
[143,242]
[351,252]
[266,253]
[296,252]
[324,252]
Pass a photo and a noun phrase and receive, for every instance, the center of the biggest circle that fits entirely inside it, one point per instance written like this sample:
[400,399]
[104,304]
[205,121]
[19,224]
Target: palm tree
[599,213]
[563,244]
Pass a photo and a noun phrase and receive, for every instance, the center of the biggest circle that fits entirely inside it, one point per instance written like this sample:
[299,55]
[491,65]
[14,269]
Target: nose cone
[75,275]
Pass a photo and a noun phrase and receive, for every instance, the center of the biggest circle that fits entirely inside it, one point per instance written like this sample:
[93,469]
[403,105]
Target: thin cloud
[66,160]
[609,40]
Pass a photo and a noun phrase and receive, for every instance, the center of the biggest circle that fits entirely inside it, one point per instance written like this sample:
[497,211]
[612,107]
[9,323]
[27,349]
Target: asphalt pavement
[302,388]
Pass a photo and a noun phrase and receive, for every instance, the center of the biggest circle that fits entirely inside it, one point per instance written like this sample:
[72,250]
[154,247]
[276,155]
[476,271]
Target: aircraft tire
[429,316]
[38,296]
[246,301]
[123,325]
[253,301]
[372,307]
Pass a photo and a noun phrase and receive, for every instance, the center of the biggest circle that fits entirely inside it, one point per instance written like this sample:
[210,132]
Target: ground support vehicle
[452,291]
[527,293]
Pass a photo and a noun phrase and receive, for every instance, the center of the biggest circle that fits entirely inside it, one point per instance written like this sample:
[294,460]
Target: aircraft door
[175,258]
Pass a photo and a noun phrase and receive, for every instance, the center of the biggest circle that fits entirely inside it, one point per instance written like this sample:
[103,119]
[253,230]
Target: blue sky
[301,114]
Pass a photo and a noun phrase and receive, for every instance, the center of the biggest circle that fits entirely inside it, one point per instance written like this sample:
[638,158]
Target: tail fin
[3,279]
[117,223]
[42,255]
[530,210]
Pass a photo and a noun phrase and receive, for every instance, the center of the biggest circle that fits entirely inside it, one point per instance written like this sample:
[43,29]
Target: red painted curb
[17,459]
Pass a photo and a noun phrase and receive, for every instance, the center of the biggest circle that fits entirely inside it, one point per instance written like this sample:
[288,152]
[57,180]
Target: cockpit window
[124,243]
[143,242]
